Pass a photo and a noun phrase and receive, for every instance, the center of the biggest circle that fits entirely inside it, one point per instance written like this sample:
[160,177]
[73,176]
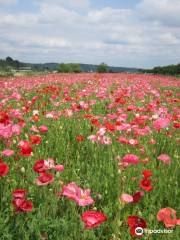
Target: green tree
[69,68]
[75,67]
[9,61]
[103,68]
[65,68]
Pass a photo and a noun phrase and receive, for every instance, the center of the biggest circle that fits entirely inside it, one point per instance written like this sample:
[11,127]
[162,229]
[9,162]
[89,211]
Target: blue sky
[132,33]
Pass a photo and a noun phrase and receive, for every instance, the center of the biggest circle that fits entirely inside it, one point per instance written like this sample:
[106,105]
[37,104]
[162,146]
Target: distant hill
[93,68]
[9,63]
[84,67]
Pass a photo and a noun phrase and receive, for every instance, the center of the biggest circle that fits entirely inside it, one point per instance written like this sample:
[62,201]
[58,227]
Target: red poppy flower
[147,173]
[80,138]
[22,205]
[35,118]
[146,184]
[44,179]
[35,139]
[110,127]
[19,193]
[4,118]
[4,169]
[95,122]
[176,125]
[39,166]
[25,147]
[137,196]
[168,217]
[135,221]
[19,202]
[93,219]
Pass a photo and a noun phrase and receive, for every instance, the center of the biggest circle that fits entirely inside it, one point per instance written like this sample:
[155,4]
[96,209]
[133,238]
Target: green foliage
[166,70]
[69,68]
[103,68]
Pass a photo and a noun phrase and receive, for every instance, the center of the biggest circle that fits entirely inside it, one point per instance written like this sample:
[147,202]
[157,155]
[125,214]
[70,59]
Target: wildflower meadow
[89,157]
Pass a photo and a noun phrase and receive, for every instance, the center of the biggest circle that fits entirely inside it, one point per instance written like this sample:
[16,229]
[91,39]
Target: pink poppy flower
[7,152]
[34,129]
[44,179]
[123,140]
[49,163]
[105,140]
[16,129]
[15,95]
[80,196]
[43,129]
[164,158]
[92,138]
[130,158]
[168,217]
[6,131]
[93,219]
[126,198]
[16,113]
[161,123]
[133,142]
[59,168]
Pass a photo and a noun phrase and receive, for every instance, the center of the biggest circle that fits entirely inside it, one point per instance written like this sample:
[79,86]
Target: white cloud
[75,31]
[7,2]
[164,11]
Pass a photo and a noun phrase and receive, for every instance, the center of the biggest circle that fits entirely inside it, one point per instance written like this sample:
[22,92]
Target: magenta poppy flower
[7,152]
[130,158]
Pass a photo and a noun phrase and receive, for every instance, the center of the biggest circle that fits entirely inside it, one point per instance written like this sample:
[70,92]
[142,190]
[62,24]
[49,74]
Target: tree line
[76,68]
[166,70]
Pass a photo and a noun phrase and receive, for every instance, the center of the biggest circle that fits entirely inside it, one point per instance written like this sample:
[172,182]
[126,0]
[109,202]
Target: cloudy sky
[132,33]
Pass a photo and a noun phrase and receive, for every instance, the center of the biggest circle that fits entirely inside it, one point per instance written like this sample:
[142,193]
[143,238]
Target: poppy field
[89,156]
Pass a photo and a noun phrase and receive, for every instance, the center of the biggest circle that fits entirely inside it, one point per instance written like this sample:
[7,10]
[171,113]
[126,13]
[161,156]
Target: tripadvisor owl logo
[139,231]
